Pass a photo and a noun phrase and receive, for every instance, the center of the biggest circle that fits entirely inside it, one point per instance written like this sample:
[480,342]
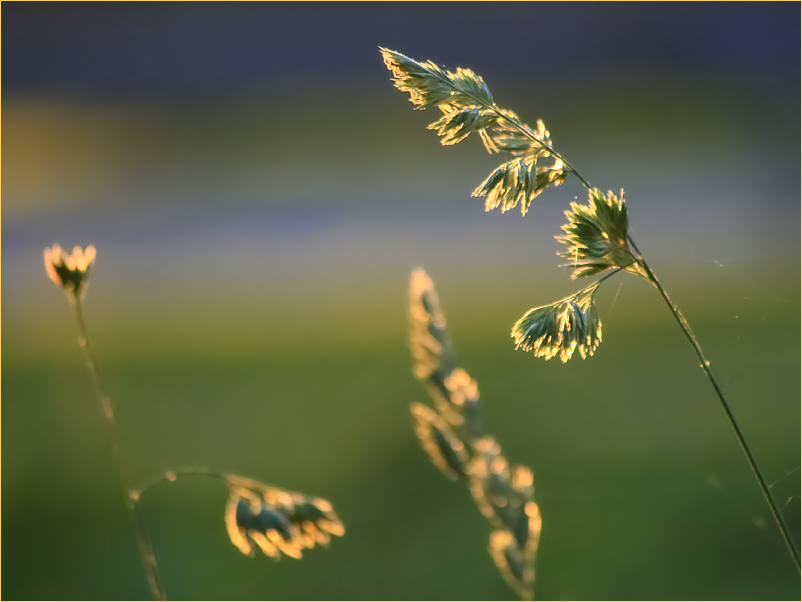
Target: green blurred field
[643,490]
[248,313]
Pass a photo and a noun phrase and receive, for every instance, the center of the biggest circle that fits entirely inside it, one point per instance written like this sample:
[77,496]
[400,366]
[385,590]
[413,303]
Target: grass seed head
[70,272]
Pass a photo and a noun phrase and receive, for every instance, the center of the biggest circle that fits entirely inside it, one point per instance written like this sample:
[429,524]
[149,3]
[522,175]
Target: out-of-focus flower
[69,271]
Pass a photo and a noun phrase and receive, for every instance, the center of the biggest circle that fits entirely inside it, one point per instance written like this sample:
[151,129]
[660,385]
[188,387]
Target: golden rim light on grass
[452,436]
[276,520]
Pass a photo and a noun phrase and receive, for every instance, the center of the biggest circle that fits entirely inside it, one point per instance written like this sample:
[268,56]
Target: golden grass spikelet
[468,106]
[276,520]
[560,328]
[428,340]
[508,184]
[489,478]
[439,442]
[463,409]
[597,236]
[429,85]
[504,494]
[462,387]
[426,83]
[458,122]
[69,271]
[516,566]
[456,398]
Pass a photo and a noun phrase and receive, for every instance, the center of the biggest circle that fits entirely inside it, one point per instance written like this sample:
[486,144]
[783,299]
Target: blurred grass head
[276,520]
[452,436]
[70,271]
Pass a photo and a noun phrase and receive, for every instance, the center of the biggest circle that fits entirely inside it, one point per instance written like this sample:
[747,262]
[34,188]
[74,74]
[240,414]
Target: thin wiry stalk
[598,282]
[123,469]
[172,475]
[705,365]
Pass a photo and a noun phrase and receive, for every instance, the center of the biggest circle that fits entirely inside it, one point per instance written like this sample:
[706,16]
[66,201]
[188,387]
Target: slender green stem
[591,287]
[171,476]
[123,469]
[603,278]
[705,365]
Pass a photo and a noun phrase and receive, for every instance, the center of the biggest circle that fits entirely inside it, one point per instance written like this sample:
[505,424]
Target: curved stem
[705,365]
[591,287]
[123,469]
[171,476]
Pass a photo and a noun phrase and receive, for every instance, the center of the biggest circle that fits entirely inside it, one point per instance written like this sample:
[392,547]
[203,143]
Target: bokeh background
[258,193]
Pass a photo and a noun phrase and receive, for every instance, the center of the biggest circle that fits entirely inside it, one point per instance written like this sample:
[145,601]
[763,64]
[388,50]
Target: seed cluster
[276,520]
[452,436]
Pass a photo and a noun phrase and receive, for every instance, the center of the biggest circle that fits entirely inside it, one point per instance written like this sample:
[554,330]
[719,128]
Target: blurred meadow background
[258,193]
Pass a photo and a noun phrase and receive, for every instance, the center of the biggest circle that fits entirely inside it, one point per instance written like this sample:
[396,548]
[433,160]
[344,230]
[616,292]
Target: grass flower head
[561,328]
[276,520]
[596,235]
[69,271]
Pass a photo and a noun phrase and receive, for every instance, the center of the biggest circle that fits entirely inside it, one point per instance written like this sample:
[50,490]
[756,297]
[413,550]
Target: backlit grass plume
[468,107]
[596,237]
[452,436]
[441,444]
[597,232]
[560,328]
[597,240]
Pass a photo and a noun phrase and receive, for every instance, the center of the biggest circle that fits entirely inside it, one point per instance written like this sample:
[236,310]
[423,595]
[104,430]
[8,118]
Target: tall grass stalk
[597,233]
[70,272]
[705,366]
[123,468]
